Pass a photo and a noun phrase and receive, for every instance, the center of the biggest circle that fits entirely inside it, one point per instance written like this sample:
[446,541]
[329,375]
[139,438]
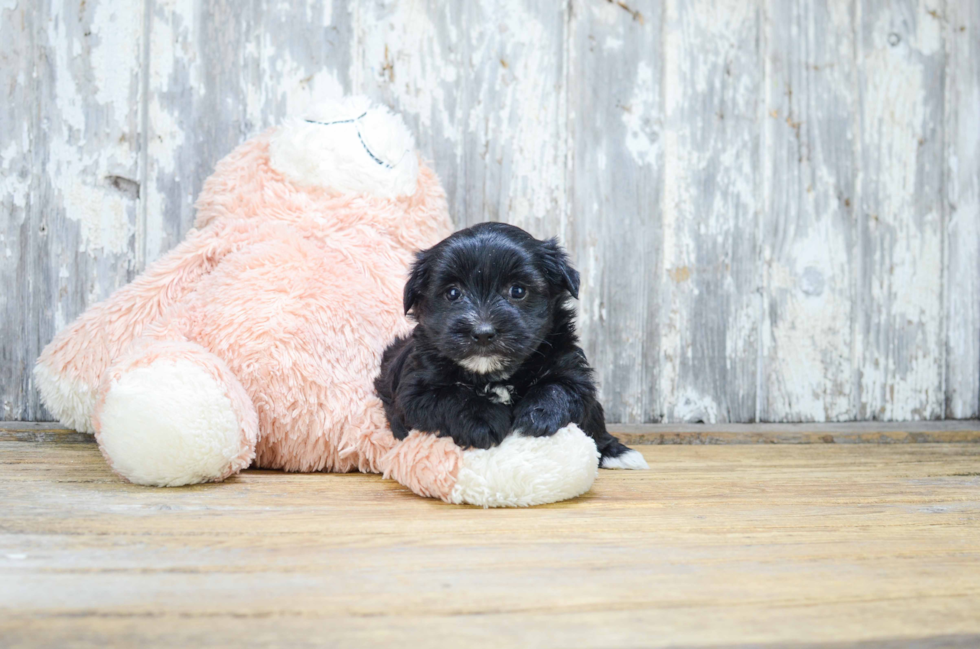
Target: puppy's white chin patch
[483,364]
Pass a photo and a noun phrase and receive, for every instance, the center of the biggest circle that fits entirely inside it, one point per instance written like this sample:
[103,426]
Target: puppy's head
[486,296]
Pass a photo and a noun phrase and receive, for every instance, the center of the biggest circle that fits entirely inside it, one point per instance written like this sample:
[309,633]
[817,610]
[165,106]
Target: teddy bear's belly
[303,329]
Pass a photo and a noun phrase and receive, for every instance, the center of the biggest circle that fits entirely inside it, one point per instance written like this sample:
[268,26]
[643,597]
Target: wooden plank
[715,546]
[18,232]
[196,105]
[483,87]
[909,432]
[220,72]
[657,140]
[962,159]
[48,432]
[216,74]
[709,304]
[616,122]
[808,236]
[899,328]
[77,83]
[298,53]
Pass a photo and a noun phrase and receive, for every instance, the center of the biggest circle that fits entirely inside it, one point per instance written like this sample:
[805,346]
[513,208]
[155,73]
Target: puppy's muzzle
[483,334]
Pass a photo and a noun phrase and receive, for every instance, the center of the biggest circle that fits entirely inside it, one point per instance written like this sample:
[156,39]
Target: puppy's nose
[483,333]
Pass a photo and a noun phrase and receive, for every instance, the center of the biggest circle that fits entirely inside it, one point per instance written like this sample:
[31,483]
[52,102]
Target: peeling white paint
[962,287]
[68,102]
[13,186]
[641,136]
[117,35]
[902,348]
[708,206]
[288,82]
[806,365]
[415,68]
[101,216]
[512,114]
[528,102]
[768,285]
[692,406]
[173,32]
[77,168]
[612,43]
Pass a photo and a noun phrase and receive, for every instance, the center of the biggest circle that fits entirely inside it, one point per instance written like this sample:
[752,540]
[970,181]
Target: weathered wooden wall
[775,205]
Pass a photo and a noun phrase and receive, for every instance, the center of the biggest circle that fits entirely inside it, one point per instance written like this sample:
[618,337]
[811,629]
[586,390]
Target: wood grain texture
[18,230]
[616,131]
[901,213]
[72,96]
[807,236]
[733,546]
[197,101]
[710,305]
[775,206]
[483,86]
[218,73]
[962,131]
[862,432]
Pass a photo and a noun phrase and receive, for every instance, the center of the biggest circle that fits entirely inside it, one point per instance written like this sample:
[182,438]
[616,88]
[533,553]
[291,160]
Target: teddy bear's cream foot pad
[165,418]
[527,471]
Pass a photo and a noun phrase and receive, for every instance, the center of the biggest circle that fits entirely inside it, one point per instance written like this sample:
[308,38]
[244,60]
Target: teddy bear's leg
[69,369]
[424,463]
[171,413]
[520,472]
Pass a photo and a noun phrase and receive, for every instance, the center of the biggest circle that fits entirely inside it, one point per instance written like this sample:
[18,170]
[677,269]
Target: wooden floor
[715,546]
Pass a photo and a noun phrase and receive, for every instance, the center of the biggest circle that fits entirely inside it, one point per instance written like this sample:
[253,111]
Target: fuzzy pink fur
[428,465]
[287,296]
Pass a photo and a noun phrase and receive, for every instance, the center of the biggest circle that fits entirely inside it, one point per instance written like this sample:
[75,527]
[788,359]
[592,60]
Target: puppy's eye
[518,292]
[453,294]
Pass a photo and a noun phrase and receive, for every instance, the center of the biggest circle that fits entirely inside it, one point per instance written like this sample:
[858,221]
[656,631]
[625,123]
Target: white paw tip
[629,460]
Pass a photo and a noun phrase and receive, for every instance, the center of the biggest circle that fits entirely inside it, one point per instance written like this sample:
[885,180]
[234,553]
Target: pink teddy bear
[257,339]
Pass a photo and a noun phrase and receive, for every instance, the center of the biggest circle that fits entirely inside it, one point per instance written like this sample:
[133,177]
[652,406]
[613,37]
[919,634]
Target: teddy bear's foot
[172,413]
[520,472]
[527,471]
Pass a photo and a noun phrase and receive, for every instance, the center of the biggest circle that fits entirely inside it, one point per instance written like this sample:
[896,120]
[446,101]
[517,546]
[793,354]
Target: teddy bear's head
[350,146]
[340,164]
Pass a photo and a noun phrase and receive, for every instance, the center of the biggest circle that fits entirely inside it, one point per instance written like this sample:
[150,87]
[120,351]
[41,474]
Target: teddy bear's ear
[418,278]
[557,268]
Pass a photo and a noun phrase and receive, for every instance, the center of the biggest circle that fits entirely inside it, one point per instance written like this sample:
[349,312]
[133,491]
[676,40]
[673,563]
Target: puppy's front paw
[539,421]
[480,431]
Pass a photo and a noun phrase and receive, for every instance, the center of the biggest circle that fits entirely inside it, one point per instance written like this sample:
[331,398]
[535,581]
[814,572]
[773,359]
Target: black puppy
[495,347]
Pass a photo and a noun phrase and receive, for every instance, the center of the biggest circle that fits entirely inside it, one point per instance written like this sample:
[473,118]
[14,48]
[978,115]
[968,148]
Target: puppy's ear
[417,280]
[556,267]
